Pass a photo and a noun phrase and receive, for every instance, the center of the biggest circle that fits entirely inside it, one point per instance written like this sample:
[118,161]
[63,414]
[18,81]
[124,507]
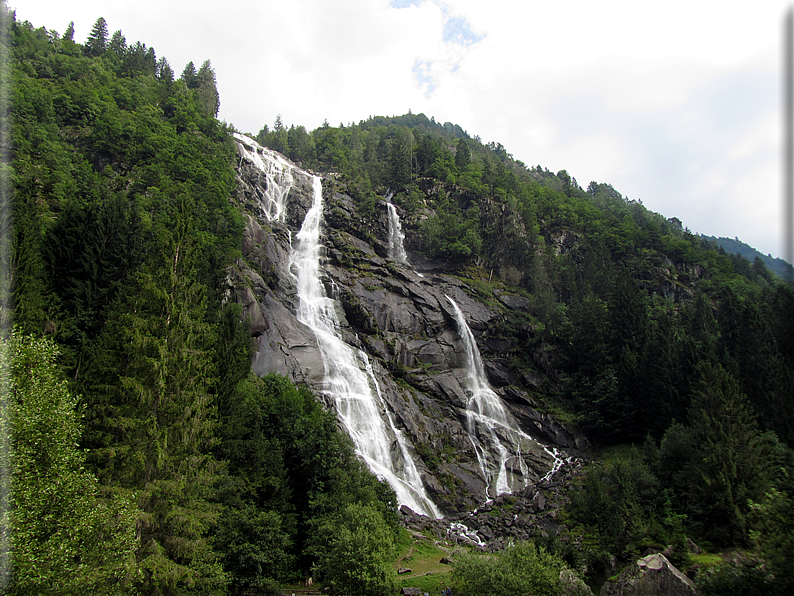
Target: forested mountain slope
[622,303]
[122,234]
[152,278]
[735,246]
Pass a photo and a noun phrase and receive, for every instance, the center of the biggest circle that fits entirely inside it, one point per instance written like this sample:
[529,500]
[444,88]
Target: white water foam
[277,172]
[349,378]
[492,429]
[396,236]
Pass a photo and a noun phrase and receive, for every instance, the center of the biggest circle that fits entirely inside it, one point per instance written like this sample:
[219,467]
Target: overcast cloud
[675,103]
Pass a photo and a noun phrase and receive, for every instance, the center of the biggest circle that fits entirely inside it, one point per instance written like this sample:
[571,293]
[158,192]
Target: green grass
[422,556]
[432,584]
[705,560]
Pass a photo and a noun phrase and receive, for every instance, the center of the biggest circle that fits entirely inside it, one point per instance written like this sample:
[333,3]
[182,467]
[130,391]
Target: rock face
[653,575]
[571,585]
[399,315]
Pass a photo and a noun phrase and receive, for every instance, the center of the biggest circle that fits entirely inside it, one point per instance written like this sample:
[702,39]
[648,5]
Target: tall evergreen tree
[153,417]
[400,156]
[164,71]
[118,43]
[209,99]
[462,155]
[730,464]
[96,43]
[278,139]
[190,76]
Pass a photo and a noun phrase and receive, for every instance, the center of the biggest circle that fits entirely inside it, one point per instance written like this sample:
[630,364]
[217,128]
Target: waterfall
[349,379]
[278,176]
[494,432]
[396,236]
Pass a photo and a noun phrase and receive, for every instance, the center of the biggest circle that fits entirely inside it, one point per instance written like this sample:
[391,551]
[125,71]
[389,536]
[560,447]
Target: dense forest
[148,458]
[736,246]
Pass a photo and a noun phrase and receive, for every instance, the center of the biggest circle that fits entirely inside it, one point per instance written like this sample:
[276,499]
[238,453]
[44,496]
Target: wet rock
[514,301]
[563,241]
[402,321]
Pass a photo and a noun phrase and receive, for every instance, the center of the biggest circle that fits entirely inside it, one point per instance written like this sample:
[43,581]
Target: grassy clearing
[422,555]
[430,584]
[705,560]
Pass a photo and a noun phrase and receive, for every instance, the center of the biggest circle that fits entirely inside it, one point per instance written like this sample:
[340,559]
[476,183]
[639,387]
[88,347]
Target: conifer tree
[190,76]
[730,464]
[97,41]
[209,99]
[400,157]
[278,139]
[462,155]
[163,71]
[118,44]
[152,413]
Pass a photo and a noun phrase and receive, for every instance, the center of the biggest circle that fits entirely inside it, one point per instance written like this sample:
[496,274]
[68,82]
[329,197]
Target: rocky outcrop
[563,241]
[572,585]
[653,575]
[400,316]
[529,514]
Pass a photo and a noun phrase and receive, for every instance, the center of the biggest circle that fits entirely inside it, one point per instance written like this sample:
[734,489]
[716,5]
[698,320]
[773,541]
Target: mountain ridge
[776,265]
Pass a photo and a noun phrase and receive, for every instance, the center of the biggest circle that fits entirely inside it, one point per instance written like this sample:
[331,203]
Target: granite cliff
[401,317]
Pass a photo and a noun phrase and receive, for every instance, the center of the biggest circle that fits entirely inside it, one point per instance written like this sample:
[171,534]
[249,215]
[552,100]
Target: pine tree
[462,155]
[278,140]
[209,99]
[190,76]
[97,41]
[400,157]
[118,44]
[730,464]
[153,415]
[164,72]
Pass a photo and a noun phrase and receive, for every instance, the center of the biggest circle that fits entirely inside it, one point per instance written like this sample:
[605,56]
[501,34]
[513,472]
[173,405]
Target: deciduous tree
[355,548]
[67,538]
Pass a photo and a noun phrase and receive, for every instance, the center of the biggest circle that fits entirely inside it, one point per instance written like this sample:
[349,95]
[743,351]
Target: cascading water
[348,378]
[494,432]
[277,172]
[396,236]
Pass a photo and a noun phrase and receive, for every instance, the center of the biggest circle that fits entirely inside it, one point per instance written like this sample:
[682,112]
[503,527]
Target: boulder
[572,585]
[653,575]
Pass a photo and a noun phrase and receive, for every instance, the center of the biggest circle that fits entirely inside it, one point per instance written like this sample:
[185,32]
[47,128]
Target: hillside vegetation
[735,246]
[175,470]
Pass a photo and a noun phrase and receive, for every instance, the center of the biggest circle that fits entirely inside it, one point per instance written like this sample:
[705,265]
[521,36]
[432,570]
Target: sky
[676,104]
